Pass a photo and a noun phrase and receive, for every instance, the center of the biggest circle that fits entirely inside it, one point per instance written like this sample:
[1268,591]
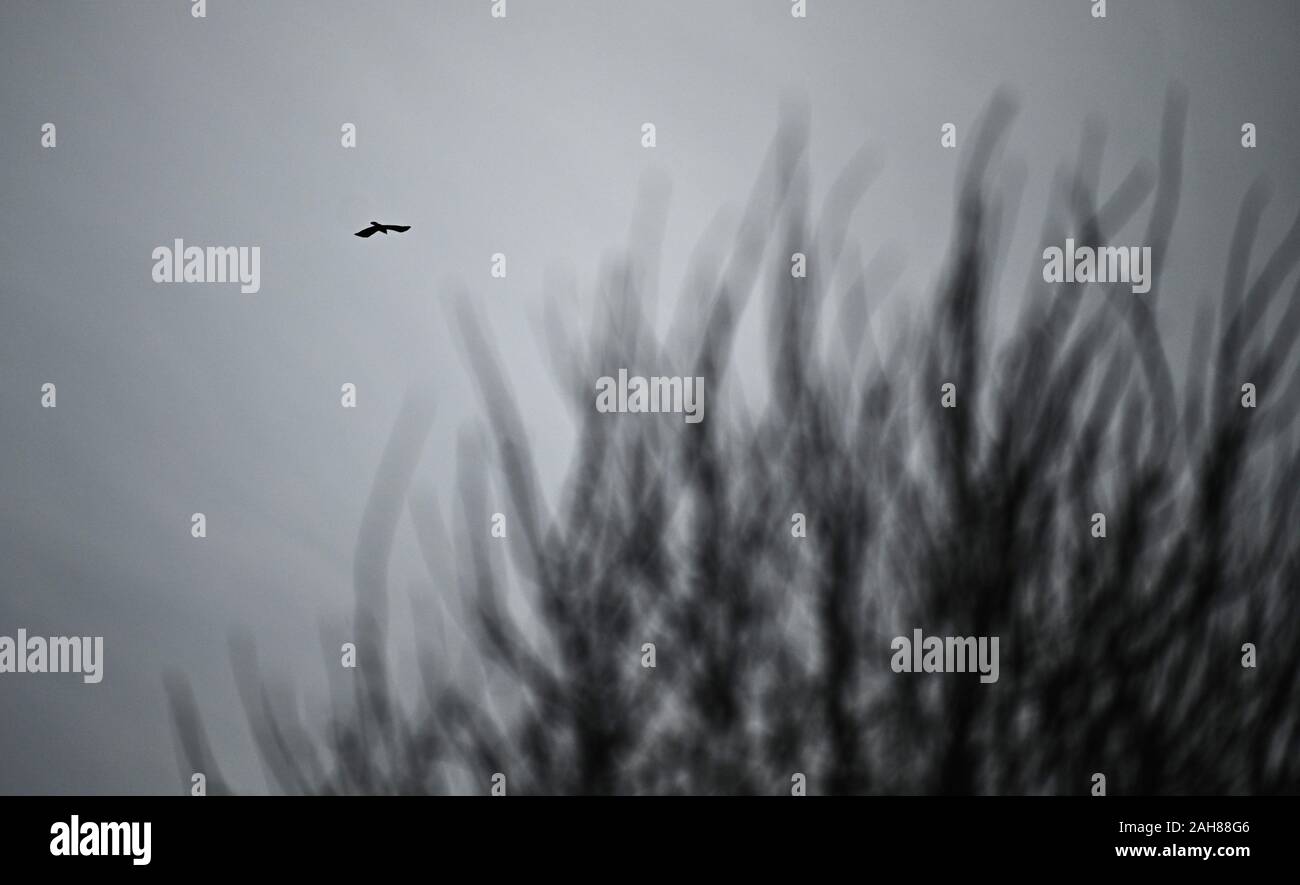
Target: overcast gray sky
[519,136]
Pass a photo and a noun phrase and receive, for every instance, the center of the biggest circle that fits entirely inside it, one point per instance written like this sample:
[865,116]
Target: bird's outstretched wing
[400,228]
[368,232]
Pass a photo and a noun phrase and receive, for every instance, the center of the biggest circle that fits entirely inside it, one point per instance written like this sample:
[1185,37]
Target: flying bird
[377,228]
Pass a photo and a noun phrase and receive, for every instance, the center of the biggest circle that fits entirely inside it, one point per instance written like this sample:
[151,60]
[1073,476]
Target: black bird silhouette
[377,228]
